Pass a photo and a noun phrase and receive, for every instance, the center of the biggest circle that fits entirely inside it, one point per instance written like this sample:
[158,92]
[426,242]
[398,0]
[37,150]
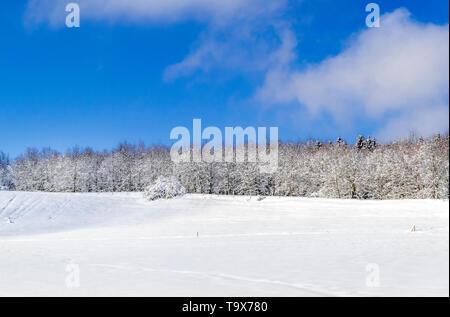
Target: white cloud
[232,36]
[159,11]
[423,121]
[401,67]
[397,74]
[240,48]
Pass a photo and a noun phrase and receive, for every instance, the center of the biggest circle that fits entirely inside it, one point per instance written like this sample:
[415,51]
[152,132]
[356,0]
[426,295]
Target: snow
[206,245]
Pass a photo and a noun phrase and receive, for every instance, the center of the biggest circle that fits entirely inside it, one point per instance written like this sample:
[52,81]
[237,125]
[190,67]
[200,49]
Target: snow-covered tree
[164,188]
[413,168]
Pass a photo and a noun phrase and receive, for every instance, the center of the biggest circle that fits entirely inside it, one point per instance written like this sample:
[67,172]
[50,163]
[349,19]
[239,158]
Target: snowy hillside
[203,245]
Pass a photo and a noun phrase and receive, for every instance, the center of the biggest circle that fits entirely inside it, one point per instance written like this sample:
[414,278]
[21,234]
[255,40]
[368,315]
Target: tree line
[367,170]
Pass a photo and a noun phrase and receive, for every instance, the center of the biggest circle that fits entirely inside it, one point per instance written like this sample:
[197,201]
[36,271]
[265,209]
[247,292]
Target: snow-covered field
[198,245]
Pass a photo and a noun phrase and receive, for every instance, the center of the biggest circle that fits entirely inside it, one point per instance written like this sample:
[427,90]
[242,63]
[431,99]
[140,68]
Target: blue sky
[134,72]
